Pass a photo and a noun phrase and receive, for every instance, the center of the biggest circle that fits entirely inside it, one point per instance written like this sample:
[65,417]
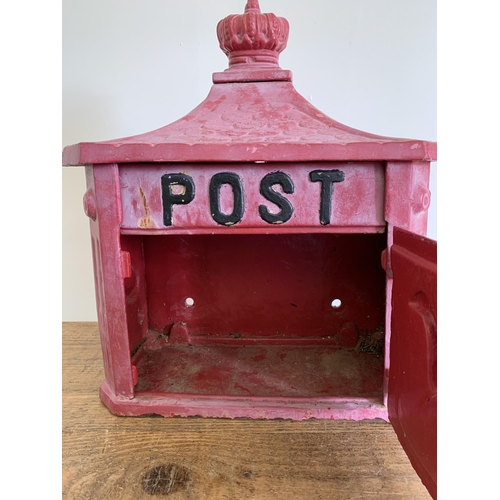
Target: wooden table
[109,457]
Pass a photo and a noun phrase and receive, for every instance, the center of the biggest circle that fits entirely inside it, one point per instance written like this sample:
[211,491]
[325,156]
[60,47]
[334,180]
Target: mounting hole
[336,303]
[189,302]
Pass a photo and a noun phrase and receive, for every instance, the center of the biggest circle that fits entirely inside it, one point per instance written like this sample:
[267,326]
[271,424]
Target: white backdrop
[130,66]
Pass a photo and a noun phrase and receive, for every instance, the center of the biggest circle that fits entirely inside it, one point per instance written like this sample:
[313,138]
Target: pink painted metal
[103,183]
[242,255]
[357,201]
[251,121]
[413,373]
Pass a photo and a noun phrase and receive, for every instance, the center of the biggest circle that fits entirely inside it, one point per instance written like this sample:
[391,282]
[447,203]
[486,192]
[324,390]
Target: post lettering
[214,194]
[170,198]
[327,179]
[267,191]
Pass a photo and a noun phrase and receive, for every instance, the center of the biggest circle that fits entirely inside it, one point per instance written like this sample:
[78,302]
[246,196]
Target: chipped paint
[146,222]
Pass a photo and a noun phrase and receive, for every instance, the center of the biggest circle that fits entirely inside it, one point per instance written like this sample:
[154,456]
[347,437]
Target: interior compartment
[280,315]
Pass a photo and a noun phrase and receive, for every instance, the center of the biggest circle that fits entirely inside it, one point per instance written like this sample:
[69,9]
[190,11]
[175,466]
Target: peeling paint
[146,222]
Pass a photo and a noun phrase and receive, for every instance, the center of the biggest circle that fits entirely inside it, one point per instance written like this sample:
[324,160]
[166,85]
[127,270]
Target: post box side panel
[407,195]
[412,398]
[175,196]
[103,206]
[274,287]
[406,204]
[91,212]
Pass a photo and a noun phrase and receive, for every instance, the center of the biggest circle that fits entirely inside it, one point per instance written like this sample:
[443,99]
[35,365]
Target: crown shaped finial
[253,39]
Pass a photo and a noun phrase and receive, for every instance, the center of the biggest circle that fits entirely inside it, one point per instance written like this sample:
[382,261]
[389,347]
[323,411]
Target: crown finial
[252,39]
[252,5]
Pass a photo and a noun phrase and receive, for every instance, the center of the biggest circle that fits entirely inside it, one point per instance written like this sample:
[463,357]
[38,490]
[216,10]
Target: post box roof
[252,113]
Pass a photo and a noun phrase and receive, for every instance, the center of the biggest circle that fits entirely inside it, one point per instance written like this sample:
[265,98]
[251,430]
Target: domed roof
[252,113]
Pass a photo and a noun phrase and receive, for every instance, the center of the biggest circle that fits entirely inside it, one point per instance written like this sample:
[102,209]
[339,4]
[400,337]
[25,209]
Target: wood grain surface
[109,457]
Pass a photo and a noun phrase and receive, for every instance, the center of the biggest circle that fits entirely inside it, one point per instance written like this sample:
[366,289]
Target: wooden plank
[106,457]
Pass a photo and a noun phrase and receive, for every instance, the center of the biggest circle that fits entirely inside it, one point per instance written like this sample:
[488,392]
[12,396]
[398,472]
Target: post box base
[188,405]
[261,382]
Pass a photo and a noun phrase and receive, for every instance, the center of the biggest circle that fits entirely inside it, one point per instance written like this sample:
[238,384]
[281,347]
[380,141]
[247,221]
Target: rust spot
[165,479]
[146,222]
[371,343]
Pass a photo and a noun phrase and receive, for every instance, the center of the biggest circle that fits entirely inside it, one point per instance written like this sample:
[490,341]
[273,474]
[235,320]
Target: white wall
[130,66]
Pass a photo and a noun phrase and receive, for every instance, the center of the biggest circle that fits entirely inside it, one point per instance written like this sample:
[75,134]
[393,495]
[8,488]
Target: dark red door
[413,375]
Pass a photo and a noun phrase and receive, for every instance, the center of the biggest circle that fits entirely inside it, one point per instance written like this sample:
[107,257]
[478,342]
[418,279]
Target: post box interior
[257,315]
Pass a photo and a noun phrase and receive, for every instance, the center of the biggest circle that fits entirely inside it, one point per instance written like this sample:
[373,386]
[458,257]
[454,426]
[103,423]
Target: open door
[412,401]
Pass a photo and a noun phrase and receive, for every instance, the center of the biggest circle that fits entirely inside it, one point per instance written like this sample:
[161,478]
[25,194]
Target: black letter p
[169,198]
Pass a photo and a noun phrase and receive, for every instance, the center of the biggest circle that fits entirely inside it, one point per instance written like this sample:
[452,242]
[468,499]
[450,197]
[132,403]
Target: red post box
[258,259]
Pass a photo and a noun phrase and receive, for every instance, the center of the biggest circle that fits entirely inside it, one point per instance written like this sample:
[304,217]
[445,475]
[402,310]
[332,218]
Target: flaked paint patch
[146,222]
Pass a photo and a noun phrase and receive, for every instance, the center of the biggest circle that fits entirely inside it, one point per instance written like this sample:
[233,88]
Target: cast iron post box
[259,259]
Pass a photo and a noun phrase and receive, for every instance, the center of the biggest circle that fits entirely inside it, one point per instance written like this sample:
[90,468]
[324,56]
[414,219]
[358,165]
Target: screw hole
[336,303]
[189,302]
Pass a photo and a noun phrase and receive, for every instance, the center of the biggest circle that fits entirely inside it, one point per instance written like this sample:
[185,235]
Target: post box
[259,259]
